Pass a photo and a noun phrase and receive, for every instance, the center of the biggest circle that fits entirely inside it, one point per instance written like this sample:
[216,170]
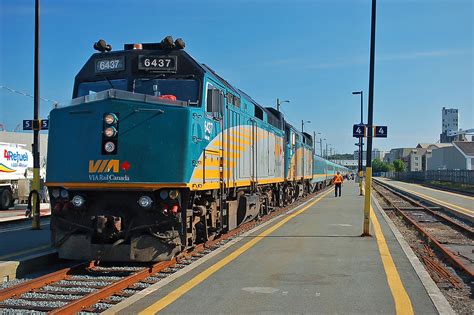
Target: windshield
[182,89]
[88,88]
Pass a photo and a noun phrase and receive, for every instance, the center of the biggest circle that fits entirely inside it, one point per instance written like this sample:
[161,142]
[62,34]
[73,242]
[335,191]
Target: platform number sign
[29,124]
[45,124]
[380,131]
[358,131]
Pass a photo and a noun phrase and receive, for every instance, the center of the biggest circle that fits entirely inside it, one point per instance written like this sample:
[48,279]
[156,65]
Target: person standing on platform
[337,180]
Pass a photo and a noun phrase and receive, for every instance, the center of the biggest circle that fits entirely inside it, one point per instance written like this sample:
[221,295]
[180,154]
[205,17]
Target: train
[157,153]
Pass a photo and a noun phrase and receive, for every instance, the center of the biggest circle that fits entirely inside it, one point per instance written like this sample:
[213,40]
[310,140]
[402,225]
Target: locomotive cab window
[179,89]
[88,88]
[258,112]
[214,101]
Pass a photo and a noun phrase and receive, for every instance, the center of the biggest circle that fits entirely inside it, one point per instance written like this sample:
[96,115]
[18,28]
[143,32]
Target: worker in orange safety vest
[337,180]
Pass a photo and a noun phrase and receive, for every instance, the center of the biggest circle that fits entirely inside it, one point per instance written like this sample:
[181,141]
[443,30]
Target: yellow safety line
[400,296]
[177,293]
[459,208]
[26,251]
[441,191]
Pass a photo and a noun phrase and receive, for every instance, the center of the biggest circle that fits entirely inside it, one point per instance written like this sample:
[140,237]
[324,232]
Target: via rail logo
[14,159]
[108,170]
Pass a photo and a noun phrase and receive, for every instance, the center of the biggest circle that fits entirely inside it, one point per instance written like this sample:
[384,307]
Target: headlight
[163,194]
[145,202]
[78,201]
[109,147]
[64,193]
[173,194]
[110,119]
[56,192]
[110,132]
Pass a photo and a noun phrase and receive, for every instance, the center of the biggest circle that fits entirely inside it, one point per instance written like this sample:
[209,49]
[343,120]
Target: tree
[399,166]
[380,166]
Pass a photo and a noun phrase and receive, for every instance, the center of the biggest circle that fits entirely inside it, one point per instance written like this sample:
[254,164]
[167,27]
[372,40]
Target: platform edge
[441,304]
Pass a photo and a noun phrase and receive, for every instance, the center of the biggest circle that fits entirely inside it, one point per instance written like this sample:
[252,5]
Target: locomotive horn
[102,46]
[167,42]
[179,43]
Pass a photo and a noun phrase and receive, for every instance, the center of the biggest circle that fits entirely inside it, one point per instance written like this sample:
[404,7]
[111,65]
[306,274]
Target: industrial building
[457,156]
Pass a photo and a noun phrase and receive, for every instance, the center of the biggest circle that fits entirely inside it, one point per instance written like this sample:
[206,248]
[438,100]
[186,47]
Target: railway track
[94,288]
[445,236]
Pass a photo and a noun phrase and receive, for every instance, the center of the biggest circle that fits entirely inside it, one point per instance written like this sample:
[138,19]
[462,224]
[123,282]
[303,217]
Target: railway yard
[297,259]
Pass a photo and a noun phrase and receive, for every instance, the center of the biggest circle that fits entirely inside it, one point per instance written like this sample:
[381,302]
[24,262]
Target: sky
[312,52]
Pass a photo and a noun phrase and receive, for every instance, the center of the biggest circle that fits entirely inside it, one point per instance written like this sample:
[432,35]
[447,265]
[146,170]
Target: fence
[453,176]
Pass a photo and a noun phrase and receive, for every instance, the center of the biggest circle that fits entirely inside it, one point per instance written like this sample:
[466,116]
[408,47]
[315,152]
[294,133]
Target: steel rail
[40,282]
[469,232]
[447,253]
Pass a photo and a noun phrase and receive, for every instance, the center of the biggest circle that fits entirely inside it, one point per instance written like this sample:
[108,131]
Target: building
[376,154]
[398,154]
[457,156]
[417,160]
[450,122]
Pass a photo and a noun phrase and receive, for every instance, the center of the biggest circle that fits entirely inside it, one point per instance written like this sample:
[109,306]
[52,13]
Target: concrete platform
[17,213]
[457,202]
[22,248]
[310,261]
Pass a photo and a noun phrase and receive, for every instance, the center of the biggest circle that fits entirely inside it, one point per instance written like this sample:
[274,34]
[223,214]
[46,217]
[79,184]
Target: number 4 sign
[358,131]
[380,131]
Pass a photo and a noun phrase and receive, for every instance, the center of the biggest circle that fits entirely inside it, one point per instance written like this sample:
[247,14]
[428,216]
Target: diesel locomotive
[157,153]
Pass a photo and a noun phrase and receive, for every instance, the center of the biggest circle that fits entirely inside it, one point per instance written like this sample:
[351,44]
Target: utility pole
[368,168]
[36,126]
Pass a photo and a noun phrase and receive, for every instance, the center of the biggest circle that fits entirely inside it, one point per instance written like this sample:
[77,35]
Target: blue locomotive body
[157,153]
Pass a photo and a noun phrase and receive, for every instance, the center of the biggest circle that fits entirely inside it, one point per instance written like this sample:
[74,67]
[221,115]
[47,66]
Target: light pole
[303,122]
[368,162]
[281,102]
[361,143]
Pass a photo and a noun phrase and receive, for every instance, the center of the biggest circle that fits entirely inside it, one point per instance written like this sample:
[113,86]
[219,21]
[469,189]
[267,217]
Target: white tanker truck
[16,164]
